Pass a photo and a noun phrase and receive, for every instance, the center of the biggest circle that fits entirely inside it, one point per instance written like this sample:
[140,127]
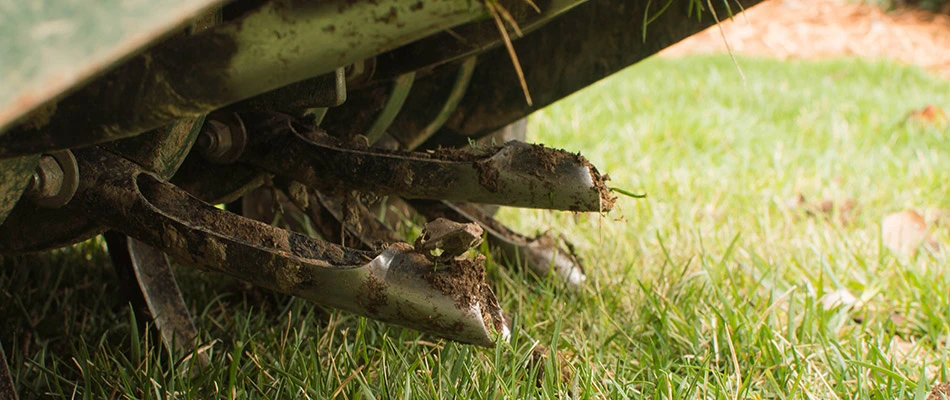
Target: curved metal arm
[515,174]
[396,286]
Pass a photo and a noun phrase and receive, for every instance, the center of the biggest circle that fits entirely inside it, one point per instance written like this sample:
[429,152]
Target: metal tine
[336,218]
[541,254]
[370,231]
[514,174]
[146,271]
[397,285]
[268,205]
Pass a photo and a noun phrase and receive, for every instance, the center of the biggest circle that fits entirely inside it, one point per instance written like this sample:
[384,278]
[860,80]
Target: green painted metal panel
[48,47]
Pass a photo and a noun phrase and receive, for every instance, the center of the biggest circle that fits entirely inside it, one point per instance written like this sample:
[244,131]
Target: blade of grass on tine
[648,19]
[533,5]
[503,12]
[726,41]
[493,9]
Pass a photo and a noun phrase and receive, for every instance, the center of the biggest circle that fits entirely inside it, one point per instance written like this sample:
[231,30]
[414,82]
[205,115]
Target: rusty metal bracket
[397,285]
[515,174]
[542,255]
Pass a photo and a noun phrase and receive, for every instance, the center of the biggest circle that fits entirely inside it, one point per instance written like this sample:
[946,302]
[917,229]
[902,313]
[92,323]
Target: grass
[707,288]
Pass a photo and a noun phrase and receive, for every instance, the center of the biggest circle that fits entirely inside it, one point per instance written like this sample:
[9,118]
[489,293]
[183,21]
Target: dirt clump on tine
[549,159]
[375,291]
[600,183]
[487,175]
[250,232]
[460,281]
[940,392]
[464,282]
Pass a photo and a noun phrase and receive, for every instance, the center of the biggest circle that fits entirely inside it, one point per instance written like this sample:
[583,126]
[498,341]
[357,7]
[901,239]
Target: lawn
[710,287]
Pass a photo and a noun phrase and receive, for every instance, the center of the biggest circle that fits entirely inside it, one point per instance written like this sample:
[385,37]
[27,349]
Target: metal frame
[267,48]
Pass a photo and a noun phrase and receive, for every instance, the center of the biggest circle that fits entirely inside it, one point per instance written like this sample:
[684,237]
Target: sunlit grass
[707,288]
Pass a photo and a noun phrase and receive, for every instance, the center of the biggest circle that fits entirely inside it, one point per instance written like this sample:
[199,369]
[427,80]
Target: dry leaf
[936,217]
[843,210]
[838,298]
[904,232]
[540,353]
[930,115]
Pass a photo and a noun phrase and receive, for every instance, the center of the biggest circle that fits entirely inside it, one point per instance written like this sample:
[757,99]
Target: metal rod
[397,97]
[455,97]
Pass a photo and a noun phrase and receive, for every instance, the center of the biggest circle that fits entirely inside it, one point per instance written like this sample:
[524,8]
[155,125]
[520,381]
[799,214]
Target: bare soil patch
[814,29]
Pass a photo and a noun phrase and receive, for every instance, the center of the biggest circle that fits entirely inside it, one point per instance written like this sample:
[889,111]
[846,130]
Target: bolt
[215,142]
[47,180]
[207,142]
